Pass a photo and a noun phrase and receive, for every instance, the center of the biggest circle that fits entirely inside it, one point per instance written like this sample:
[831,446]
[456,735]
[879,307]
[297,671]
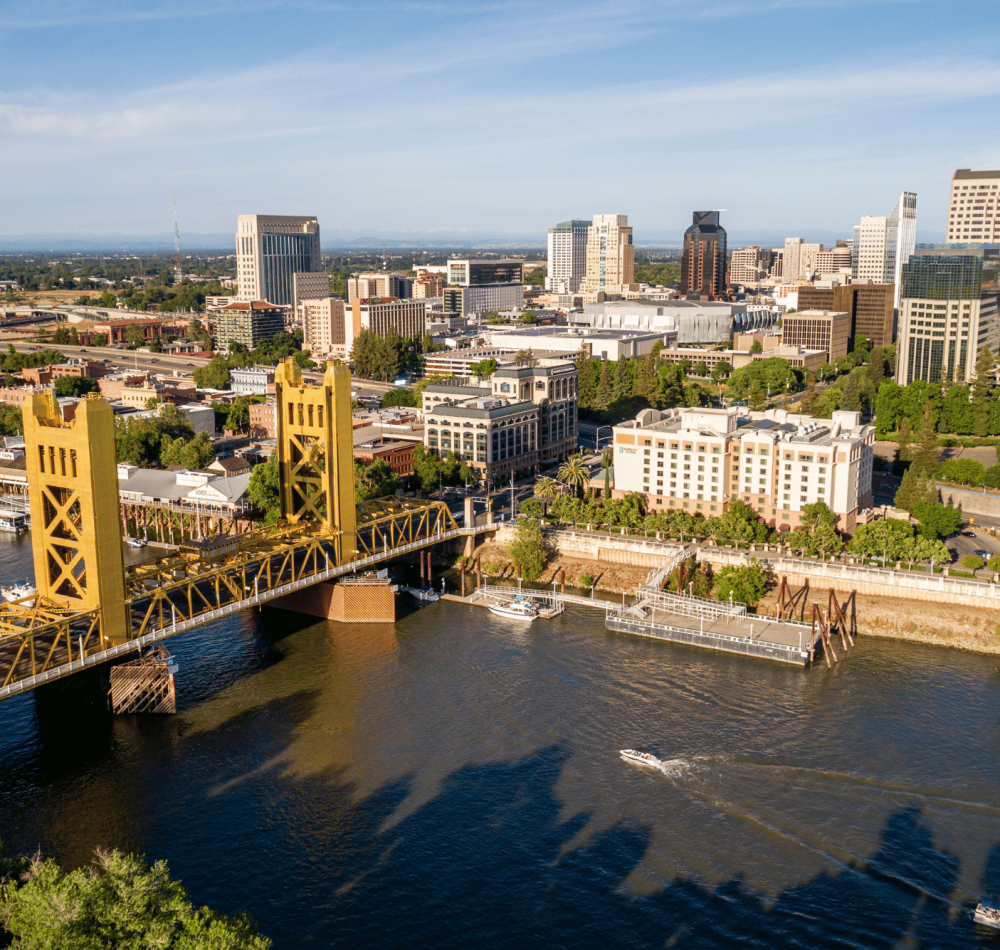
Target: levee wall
[971,501]
[639,552]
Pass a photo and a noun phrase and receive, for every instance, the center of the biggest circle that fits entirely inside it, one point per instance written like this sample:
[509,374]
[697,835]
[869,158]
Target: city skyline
[109,112]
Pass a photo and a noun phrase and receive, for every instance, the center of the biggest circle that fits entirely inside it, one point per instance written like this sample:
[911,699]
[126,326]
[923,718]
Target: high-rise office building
[945,316]
[270,250]
[817,330]
[974,208]
[567,256]
[610,255]
[246,322]
[484,286]
[750,264]
[703,265]
[834,261]
[323,327]
[364,286]
[407,317]
[870,306]
[883,244]
[790,259]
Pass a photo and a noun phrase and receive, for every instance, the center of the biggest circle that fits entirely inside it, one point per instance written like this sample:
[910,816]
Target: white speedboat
[135,542]
[987,916]
[18,592]
[521,608]
[640,758]
[425,594]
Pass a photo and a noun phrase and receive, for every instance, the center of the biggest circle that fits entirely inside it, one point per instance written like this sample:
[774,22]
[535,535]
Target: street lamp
[597,437]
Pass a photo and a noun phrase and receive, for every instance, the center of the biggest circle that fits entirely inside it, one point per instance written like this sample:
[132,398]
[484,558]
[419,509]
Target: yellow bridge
[89,608]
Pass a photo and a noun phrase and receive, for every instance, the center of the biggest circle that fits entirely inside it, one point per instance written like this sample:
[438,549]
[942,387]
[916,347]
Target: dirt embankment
[950,625]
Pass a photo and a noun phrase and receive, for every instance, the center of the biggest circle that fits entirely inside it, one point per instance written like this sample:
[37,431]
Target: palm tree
[546,489]
[573,472]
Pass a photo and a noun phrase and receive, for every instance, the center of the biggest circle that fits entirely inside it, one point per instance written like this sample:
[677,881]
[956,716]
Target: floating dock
[711,624]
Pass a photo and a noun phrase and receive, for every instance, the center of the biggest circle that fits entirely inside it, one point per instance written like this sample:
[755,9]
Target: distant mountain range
[397,240]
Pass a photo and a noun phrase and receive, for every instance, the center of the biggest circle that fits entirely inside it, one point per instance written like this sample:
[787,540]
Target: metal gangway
[551,598]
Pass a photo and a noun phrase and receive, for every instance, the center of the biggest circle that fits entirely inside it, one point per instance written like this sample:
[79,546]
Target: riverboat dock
[710,624]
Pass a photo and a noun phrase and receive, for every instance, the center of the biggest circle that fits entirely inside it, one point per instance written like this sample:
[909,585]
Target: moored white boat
[19,592]
[135,542]
[521,608]
[426,594]
[14,522]
[987,916]
[640,758]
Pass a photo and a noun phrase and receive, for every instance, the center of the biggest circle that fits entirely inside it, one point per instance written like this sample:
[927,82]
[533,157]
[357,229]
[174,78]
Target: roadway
[171,363]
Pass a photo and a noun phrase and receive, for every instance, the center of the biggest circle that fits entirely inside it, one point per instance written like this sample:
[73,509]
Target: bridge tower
[316,452]
[76,532]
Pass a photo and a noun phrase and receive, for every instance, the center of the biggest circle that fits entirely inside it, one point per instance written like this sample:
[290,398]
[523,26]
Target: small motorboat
[135,542]
[19,592]
[520,608]
[426,595]
[987,915]
[640,758]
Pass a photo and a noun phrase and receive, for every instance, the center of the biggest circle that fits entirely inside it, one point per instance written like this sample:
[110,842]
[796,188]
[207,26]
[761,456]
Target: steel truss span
[89,608]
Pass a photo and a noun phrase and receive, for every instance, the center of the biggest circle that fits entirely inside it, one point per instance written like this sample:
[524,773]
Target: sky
[436,116]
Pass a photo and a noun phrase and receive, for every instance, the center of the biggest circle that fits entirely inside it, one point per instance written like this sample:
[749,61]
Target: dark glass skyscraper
[703,267]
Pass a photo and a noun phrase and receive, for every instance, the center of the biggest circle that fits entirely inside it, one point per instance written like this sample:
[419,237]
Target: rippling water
[453,781]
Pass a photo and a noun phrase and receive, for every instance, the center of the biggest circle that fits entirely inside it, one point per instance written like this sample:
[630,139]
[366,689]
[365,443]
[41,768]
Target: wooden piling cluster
[145,685]
[825,623]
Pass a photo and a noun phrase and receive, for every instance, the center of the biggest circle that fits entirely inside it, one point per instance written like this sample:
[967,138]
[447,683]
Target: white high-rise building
[883,244]
[567,256]
[974,208]
[270,250]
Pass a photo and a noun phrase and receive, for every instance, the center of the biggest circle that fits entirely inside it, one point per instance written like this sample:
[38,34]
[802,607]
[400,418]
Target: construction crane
[177,247]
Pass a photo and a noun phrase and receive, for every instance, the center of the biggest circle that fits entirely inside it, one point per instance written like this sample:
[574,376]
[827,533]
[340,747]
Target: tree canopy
[120,900]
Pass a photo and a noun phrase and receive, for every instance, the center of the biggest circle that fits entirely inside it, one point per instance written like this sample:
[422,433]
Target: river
[453,781]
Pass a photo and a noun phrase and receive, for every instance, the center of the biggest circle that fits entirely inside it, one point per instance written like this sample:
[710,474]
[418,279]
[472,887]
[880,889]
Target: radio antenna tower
[177,247]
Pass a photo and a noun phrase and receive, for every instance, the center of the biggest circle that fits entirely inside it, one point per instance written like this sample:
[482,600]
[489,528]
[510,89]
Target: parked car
[985,555]
[969,534]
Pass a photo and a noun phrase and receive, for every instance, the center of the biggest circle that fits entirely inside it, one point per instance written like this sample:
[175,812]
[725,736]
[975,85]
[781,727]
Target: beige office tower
[791,259]
[808,255]
[974,209]
[407,317]
[270,250]
[610,255]
[749,264]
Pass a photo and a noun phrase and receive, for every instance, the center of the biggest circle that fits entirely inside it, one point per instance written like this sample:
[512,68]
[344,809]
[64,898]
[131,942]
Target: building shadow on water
[485,863]
[490,861]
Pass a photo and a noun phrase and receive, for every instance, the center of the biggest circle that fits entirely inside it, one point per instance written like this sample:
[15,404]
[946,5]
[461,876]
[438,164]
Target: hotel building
[698,460]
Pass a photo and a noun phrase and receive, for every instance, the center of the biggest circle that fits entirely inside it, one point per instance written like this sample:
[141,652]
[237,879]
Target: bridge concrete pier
[343,601]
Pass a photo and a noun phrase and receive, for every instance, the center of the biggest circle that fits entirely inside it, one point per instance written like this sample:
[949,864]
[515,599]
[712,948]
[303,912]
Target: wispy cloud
[40,14]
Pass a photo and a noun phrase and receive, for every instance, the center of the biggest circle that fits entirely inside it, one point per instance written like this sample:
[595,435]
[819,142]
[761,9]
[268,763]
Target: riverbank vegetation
[119,901]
